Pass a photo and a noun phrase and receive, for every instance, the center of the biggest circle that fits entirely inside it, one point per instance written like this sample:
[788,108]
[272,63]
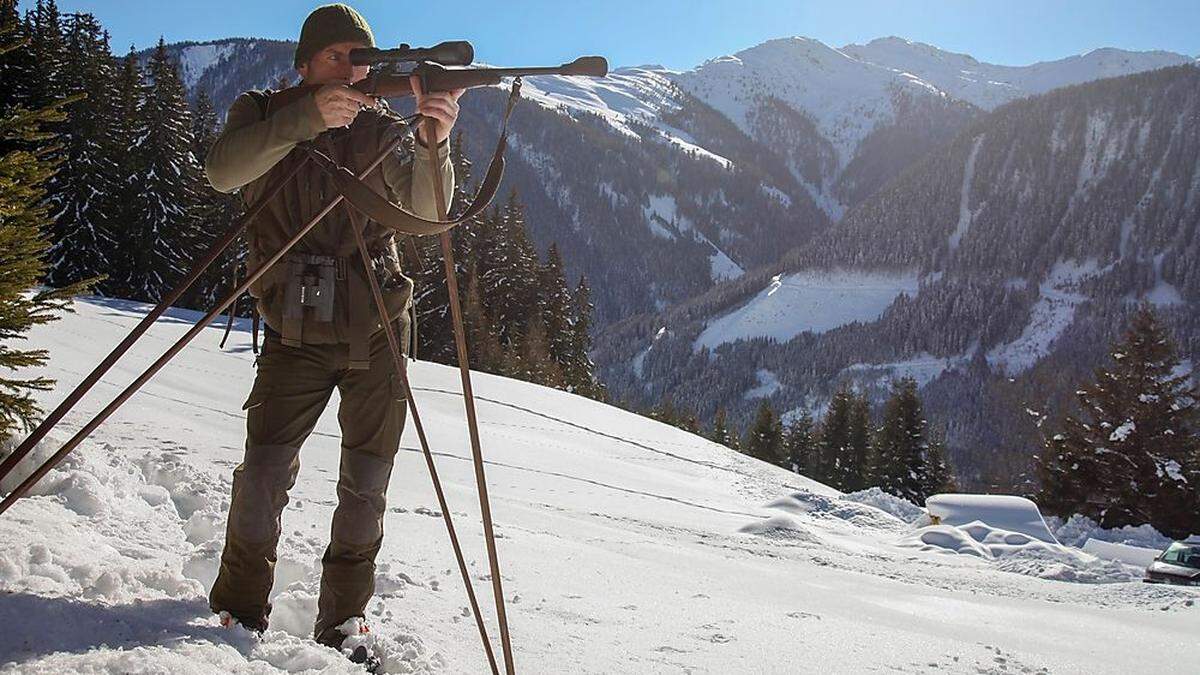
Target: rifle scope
[451,53]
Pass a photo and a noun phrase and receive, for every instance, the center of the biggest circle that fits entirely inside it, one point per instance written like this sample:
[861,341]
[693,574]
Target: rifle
[437,76]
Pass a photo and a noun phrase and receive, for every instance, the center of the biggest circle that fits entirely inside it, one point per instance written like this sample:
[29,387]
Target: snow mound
[781,527]
[1130,555]
[826,508]
[887,502]
[1002,512]
[1078,529]
[1017,552]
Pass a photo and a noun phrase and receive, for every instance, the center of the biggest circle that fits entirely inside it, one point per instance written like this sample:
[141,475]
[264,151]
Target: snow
[1122,432]
[989,85]
[813,301]
[625,98]
[194,60]
[1130,555]
[1052,314]
[965,214]
[923,367]
[1003,512]
[846,97]
[889,503]
[768,385]
[662,213]
[621,541]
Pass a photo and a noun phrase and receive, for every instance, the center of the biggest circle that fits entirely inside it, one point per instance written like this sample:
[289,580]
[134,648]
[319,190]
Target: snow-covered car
[1179,564]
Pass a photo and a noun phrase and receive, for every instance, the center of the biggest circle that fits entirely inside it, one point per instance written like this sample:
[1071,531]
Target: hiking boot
[335,636]
[228,620]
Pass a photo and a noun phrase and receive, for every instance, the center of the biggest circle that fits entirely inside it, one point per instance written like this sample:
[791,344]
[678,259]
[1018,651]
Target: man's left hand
[440,106]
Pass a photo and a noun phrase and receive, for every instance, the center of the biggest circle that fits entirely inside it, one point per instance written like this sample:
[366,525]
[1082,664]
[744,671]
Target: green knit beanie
[329,25]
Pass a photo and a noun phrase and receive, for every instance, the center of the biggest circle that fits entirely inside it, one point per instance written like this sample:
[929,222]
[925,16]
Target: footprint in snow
[804,615]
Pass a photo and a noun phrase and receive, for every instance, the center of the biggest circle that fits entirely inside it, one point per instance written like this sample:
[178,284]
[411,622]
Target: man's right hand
[339,104]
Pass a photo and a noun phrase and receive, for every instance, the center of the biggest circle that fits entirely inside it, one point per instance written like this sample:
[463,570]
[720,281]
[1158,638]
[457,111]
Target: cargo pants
[291,389]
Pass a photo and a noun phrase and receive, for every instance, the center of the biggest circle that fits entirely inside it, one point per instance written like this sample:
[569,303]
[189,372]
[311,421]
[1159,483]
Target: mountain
[658,184]
[627,546]
[995,270]
[989,85]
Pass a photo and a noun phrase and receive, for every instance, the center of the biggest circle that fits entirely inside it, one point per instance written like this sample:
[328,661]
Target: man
[323,329]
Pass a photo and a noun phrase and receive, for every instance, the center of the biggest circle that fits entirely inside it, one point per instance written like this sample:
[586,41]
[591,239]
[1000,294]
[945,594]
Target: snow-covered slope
[846,98]
[988,85]
[627,547]
[816,301]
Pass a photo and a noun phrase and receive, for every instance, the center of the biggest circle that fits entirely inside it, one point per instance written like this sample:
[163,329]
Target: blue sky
[681,34]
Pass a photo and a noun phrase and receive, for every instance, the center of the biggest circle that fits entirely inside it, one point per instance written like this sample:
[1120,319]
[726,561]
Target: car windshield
[1187,555]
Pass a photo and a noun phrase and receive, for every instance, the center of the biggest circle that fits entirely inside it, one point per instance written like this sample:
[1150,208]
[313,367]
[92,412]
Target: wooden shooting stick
[464,369]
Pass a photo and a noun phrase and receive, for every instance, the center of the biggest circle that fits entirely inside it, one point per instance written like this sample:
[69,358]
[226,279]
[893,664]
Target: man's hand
[440,106]
[339,104]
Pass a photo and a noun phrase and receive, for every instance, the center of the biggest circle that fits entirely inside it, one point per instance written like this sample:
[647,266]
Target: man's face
[332,66]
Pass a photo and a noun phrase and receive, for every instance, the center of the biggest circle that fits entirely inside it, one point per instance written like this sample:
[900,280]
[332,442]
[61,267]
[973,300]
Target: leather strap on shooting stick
[389,214]
[464,369]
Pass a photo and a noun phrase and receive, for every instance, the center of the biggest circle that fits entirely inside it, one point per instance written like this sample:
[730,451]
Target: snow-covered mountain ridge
[758,151]
[627,546]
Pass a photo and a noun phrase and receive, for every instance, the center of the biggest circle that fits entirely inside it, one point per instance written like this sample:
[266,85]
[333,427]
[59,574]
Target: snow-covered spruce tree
[801,444]
[833,448]
[508,270]
[900,444]
[82,190]
[555,302]
[16,61]
[24,170]
[165,229]
[579,369]
[764,438]
[43,26]
[856,469]
[720,432]
[939,476]
[216,212]
[1128,456]
[127,129]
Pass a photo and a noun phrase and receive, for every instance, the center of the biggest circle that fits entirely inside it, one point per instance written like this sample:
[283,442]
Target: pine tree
[1129,456]
[900,445]
[81,190]
[166,230]
[834,448]
[764,439]
[48,53]
[939,477]
[24,170]
[555,302]
[216,212]
[16,59]
[856,471]
[720,432]
[579,370]
[482,346]
[128,129]
[801,444]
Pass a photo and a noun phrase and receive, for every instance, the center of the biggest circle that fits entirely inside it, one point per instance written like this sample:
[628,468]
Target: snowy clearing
[808,301]
[627,546]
